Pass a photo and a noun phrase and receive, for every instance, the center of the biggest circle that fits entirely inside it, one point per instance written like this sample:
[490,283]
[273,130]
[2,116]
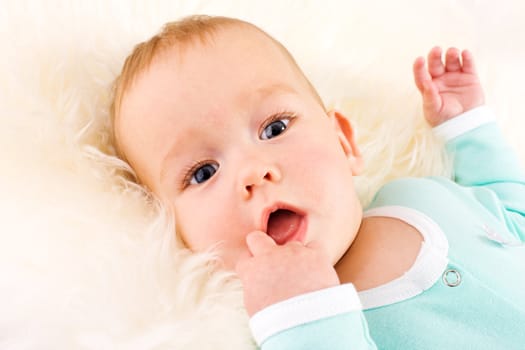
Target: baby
[220,123]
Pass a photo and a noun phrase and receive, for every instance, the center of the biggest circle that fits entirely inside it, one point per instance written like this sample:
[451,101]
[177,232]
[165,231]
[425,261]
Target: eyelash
[277,116]
[190,170]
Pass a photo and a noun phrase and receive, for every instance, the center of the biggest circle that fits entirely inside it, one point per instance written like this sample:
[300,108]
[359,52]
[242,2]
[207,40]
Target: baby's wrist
[464,122]
[304,308]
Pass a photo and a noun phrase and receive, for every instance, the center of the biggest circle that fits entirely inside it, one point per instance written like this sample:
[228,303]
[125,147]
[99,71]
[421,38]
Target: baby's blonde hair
[179,33]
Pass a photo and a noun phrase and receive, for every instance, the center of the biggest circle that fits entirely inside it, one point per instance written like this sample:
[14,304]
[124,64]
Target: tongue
[282,224]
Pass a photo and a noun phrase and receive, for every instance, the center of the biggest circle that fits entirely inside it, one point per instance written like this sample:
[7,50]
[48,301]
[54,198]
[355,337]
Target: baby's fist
[274,273]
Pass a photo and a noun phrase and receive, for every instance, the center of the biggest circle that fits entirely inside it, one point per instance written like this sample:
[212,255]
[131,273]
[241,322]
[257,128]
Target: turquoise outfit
[466,289]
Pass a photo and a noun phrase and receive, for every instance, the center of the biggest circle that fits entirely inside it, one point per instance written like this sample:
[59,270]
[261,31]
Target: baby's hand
[448,88]
[274,273]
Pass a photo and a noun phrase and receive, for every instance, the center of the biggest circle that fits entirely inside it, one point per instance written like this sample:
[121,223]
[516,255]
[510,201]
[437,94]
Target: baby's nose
[254,176]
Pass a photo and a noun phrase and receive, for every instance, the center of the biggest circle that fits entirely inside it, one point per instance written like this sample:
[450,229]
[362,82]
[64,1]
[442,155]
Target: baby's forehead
[220,52]
[235,34]
[163,77]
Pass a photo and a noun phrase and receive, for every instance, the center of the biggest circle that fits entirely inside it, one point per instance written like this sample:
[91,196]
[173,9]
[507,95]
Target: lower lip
[298,235]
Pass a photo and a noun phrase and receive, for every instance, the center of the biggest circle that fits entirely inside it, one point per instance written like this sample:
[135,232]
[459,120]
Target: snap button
[451,278]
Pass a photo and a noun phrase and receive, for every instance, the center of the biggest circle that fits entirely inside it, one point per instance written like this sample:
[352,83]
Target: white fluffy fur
[89,261]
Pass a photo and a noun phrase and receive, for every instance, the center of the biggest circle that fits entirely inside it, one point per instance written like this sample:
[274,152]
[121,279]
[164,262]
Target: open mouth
[285,225]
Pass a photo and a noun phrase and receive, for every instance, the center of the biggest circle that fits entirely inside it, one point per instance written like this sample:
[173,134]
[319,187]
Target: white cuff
[464,122]
[302,309]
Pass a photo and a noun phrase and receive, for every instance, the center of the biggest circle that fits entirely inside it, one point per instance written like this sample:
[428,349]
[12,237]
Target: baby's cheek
[189,228]
[203,222]
[323,156]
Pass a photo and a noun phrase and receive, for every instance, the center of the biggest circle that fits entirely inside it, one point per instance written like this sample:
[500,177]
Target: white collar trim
[427,269]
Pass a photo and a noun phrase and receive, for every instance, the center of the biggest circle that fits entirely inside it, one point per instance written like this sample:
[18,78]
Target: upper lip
[273,208]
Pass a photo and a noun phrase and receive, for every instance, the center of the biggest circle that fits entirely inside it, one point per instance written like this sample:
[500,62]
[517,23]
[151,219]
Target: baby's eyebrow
[268,90]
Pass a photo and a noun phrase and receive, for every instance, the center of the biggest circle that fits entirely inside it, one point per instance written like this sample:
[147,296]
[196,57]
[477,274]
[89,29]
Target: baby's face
[230,136]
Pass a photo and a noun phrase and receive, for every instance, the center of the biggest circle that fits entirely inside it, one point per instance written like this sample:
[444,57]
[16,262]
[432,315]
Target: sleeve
[485,162]
[326,319]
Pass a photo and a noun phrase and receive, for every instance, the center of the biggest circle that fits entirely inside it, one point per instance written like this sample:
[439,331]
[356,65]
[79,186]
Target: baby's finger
[452,63]
[421,75]
[435,65]
[468,62]
[431,97]
[259,243]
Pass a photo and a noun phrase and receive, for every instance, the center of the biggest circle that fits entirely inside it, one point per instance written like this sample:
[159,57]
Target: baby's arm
[452,101]
[293,296]
[274,272]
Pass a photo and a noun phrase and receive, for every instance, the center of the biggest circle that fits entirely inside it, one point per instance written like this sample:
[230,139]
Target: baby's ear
[345,133]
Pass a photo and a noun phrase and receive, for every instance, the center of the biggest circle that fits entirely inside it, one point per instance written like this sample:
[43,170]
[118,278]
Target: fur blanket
[89,260]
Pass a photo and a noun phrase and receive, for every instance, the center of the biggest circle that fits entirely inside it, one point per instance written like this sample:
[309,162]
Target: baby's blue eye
[203,173]
[275,128]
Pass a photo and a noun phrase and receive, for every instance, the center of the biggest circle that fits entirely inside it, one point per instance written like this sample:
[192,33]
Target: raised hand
[274,273]
[448,88]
